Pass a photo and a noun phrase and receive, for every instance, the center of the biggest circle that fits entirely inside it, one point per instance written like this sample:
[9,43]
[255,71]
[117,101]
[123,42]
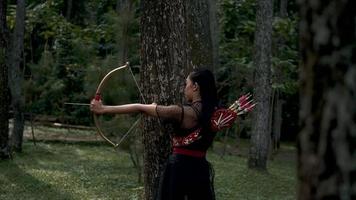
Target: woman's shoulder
[192,110]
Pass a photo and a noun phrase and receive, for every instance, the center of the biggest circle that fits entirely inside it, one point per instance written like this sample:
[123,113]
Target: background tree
[16,76]
[126,11]
[164,67]
[278,78]
[235,74]
[214,31]
[200,33]
[283,8]
[326,143]
[69,7]
[262,77]
[4,101]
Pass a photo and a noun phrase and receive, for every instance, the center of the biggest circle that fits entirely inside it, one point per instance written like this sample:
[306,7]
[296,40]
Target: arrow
[78,104]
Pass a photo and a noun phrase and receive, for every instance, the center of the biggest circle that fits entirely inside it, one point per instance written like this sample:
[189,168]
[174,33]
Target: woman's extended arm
[98,108]
[171,113]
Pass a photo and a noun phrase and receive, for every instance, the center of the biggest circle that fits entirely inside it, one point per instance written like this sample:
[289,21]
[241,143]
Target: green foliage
[235,74]
[285,59]
[67,57]
[236,48]
[237,19]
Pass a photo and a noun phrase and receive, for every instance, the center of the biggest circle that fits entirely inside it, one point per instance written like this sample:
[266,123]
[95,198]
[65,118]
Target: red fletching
[222,118]
[243,99]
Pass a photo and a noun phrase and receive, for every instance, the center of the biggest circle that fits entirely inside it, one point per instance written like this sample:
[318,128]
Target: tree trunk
[214,30]
[164,67]
[278,102]
[122,5]
[16,78]
[199,33]
[4,101]
[277,121]
[126,13]
[263,41]
[69,7]
[283,8]
[327,140]
[271,121]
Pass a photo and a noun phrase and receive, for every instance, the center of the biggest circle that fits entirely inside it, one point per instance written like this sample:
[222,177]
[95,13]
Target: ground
[68,169]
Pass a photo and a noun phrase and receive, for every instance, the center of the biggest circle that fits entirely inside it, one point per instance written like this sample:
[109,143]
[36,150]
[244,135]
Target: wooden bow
[98,98]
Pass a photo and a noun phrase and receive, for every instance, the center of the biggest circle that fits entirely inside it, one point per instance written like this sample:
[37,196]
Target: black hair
[208,93]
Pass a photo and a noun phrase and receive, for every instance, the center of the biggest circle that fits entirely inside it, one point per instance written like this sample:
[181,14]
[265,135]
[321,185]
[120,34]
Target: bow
[98,98]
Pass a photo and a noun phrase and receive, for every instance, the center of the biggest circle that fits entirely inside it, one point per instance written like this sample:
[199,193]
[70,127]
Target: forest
[295,59]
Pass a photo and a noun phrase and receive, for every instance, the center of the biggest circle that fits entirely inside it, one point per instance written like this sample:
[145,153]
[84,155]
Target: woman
[187,175]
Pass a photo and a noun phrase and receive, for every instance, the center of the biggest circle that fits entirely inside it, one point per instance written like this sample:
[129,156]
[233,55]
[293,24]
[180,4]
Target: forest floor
[72,164]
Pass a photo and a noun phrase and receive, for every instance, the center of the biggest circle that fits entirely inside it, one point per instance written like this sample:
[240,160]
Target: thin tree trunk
[327,141]
[283,8]
[240,127]
[121,5]
[278,102]
[16,78]
[214,31]
[277,122]
[69,6]
[4,101]
[263,41]
[164,67]
[199,33]
[124,8]
[271,122]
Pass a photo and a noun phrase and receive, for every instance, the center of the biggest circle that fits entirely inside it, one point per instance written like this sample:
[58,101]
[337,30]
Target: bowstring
[138,87]
[143,99]
[128,132]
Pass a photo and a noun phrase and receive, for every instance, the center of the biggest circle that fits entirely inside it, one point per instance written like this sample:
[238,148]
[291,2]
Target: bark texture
[164,68]
[260,137]
[327,141]
[4,101]
[200,40]
[16,77]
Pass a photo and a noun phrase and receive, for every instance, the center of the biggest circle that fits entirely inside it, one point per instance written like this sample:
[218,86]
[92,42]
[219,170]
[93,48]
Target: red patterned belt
[188,152]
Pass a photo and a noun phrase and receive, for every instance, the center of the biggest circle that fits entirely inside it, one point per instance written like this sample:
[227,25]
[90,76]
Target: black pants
[186,178]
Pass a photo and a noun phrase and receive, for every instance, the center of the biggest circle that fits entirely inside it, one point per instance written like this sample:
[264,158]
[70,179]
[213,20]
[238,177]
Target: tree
[69,6]
[276,99]
[164,67]
[327,140]
[283,8]
[16,78]
[262,76]
[4,101]
[214,31]
[126,12]
[276,120]
[199,29]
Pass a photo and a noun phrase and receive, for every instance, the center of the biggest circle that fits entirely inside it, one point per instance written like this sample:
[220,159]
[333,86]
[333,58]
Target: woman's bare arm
[98,108]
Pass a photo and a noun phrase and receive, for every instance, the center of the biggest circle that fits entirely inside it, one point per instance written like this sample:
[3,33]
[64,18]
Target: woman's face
[190,89]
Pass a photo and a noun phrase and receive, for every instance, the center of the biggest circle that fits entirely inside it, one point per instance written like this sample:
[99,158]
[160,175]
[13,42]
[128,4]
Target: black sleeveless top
[188,132]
